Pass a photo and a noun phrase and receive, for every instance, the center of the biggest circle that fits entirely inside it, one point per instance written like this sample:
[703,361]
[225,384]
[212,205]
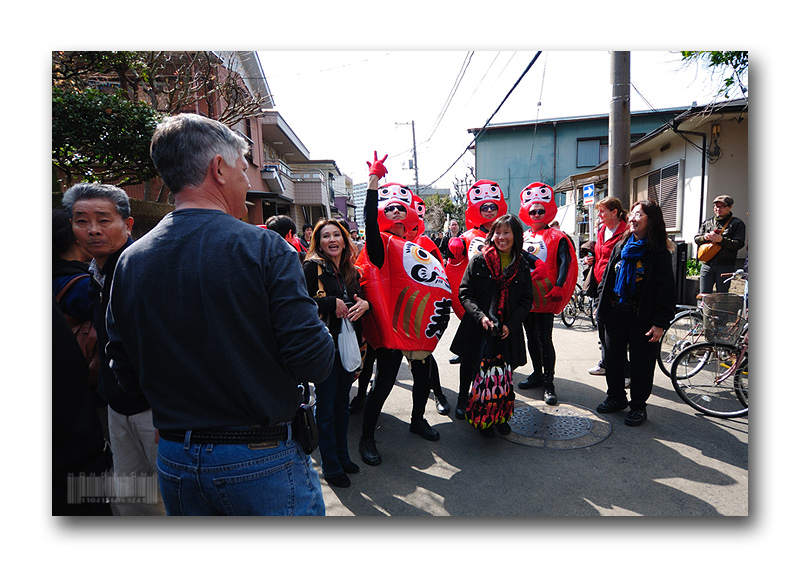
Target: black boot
[549,390]
[533,381]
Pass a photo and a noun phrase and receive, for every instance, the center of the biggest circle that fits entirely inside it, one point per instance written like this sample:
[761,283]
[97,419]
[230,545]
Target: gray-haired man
[218,334]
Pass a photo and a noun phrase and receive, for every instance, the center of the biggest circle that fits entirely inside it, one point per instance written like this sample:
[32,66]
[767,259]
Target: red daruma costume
[470,243]
[420,238]
[409,294]
[543,242]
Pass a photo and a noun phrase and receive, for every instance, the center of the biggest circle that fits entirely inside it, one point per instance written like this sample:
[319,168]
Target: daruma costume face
[419,207]
[396,194]
[481,192]
[537,193]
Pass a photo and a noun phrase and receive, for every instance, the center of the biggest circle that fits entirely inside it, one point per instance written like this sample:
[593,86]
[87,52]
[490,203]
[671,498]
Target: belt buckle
[264,445]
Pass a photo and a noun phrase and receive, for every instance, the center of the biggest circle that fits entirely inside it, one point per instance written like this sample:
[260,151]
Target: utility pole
[416,168]
[619,133]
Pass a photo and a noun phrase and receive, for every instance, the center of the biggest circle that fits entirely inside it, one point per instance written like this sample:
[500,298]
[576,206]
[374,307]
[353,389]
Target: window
[665,187]
[592,152]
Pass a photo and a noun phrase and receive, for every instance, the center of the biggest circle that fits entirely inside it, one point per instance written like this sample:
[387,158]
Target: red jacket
[602,250]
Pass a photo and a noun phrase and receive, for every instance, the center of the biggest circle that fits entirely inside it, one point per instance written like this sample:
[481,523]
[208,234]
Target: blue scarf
[625,284]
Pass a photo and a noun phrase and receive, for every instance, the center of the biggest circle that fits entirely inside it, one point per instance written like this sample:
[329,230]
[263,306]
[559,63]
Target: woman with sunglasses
[410,298]
[551,292]
[637,302]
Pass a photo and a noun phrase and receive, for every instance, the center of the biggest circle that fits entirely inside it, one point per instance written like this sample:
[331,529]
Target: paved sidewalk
[679,463]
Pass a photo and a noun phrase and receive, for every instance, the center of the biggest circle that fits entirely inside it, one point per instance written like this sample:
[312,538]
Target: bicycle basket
[722,320]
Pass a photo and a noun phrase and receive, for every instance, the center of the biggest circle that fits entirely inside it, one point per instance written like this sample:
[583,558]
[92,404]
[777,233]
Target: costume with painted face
[409,294]
[469,244]
[543,242]
[481,192]
[396,194]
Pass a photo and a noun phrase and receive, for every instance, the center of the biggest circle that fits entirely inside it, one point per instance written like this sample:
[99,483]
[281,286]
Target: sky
[345,105]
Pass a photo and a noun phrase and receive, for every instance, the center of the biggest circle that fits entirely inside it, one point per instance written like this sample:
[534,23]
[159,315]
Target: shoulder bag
[708,250]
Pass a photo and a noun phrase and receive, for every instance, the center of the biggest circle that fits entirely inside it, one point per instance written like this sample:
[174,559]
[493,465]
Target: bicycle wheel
[703,377]
[740,382]
[569,312]
[685,330]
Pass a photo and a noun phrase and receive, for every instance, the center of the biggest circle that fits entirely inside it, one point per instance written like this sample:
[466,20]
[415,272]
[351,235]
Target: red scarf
[503,277]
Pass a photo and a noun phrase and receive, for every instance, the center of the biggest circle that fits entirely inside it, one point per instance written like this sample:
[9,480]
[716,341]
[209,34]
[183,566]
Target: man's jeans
[234,480]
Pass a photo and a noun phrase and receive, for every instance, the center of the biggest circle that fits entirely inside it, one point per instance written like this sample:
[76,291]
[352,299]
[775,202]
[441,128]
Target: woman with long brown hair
[332,279]
[637,302]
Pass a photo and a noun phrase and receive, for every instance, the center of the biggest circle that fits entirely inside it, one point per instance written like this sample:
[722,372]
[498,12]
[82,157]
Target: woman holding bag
[497,294]
[332,279]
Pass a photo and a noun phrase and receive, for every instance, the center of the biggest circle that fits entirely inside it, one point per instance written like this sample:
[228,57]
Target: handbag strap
[321,291]
[69,285]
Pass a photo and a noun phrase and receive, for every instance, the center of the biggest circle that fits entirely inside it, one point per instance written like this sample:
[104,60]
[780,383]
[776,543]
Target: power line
[452,94]
[538,53]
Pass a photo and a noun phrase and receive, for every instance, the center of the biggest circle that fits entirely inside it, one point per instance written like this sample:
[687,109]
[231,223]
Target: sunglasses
[391,208]
[537,212]
[488,207]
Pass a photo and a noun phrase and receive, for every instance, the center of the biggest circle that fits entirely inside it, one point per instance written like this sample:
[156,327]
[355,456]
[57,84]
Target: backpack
[85,334]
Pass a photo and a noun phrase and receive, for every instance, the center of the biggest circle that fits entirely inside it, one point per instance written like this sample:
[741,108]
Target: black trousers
[388,364]
[624,335]
[539,331]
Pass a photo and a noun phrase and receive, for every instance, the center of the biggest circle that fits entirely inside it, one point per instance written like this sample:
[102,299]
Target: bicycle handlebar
[738,273]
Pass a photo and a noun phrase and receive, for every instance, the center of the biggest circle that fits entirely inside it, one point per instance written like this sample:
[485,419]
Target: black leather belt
[254,434]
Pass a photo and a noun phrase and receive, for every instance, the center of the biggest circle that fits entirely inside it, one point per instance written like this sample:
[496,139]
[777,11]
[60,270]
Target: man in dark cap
[729,232]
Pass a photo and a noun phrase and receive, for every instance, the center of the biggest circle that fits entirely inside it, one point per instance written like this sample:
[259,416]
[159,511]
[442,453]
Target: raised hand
[377,167]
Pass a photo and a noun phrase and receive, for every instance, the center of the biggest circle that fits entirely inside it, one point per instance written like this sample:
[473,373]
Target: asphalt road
[679,463]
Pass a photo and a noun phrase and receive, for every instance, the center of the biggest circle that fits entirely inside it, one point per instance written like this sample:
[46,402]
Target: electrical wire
[452,94]
[475,139]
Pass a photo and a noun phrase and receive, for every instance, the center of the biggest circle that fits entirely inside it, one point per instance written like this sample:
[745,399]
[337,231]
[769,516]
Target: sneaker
[597,371]
[442,405]
[610,406]
[351,468]
[369,452]
[503,428]
[636,417]
[423,429]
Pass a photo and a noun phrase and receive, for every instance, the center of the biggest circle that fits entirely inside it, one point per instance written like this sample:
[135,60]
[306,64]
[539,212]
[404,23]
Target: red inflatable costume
[470,243]
[409,294]
[543,242]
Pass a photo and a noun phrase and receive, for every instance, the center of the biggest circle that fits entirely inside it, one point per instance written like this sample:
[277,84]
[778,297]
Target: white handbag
[349,351]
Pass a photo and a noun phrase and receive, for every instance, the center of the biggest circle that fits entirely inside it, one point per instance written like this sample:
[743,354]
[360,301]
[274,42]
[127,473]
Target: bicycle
[685,329]
[712,376]
[579,303]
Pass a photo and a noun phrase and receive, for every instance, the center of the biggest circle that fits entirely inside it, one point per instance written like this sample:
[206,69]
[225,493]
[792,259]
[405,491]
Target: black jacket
[656,296]
[477,294]
[732,238]
[333,287]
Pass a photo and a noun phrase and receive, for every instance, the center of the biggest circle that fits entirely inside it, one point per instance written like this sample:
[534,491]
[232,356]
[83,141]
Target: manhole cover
[563,426]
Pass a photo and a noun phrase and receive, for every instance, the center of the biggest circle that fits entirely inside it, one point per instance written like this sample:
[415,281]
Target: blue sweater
[210,317]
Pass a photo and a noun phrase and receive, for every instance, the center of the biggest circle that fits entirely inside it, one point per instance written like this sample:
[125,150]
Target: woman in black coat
[497,295]
[637,302]
[332,280]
